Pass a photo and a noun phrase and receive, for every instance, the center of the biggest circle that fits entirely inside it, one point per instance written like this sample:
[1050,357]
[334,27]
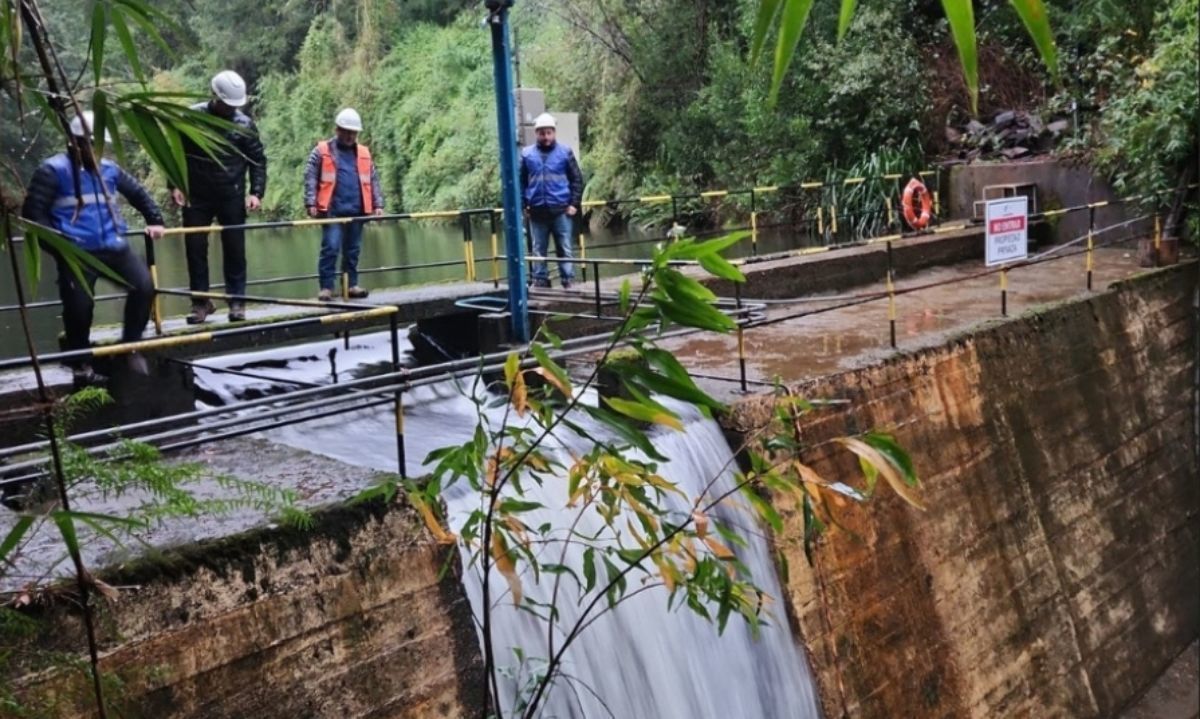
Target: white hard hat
[230,88]
[348,119]
[81,126]
[545,120]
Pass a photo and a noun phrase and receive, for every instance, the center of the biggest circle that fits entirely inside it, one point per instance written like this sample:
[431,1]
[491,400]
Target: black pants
[231,211]
[77,298]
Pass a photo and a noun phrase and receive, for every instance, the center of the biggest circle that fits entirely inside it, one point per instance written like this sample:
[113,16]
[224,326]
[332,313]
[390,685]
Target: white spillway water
[641,660]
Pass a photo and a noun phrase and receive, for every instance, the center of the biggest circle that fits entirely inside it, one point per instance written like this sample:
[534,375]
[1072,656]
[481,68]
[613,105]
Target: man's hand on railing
[154,232]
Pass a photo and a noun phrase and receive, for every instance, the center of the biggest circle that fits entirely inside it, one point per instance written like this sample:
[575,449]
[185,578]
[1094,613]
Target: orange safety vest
[328,177]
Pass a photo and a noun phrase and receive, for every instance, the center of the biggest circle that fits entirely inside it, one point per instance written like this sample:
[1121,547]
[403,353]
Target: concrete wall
[1056,570]
[1060,184]
[348,619]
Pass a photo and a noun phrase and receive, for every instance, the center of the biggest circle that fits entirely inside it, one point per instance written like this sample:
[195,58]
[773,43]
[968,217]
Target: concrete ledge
[346,619]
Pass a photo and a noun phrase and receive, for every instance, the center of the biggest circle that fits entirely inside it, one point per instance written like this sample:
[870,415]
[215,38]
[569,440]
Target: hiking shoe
[200,312]
[137,364]
[357,292]
[85,376]
[567,284]
[237,312]
[325,295]
[541,283]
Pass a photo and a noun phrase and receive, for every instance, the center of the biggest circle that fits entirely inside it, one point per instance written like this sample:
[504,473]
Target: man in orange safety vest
[341,181]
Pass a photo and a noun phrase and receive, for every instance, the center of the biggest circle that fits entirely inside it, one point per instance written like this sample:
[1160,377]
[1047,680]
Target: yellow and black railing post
[753,226]
[495,251]
[578,225]
[741,337]
[891,290]
[468,247]
[1089,264]
[1004,292]
[156,303]
[401,460]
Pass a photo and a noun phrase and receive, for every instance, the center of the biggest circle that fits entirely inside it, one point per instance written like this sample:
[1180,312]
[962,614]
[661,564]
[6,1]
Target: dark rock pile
[1011,135]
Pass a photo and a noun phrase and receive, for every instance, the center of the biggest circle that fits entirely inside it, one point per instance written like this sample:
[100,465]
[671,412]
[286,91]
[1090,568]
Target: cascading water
[639,660]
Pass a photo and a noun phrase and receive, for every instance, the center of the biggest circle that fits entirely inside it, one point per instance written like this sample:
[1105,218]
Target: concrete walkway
[840,339]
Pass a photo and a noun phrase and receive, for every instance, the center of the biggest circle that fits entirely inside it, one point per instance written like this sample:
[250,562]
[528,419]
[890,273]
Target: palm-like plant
[791,16]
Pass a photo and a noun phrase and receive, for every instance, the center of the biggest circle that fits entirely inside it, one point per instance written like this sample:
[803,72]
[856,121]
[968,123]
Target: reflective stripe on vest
[87,220]
[328,177]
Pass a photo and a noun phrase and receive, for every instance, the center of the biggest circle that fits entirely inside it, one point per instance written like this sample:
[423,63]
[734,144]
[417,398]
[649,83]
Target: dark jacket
[51,201]
[550,178]
[225,177]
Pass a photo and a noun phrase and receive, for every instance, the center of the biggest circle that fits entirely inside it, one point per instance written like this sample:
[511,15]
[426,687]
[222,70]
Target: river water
[291,252]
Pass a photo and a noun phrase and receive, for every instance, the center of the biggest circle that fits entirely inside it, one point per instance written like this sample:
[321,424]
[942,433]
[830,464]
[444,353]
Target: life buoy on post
[915,192]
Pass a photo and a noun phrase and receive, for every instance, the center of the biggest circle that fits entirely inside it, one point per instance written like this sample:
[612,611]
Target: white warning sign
[1007,223]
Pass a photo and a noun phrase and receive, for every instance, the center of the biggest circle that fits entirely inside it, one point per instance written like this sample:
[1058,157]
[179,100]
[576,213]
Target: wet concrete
[819,344]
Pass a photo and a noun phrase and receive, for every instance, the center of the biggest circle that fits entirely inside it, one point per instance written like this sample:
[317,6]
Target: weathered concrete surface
[1060,184]
[347,619]
[1175,694]
[1055,572]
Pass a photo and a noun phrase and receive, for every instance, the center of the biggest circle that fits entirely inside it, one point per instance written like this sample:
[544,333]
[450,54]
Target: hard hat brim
[232,103]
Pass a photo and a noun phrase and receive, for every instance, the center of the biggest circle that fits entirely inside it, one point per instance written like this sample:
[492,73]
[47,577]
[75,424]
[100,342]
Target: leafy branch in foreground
[569,514]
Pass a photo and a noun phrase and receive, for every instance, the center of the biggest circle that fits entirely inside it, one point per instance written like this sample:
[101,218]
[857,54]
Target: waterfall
[642,659]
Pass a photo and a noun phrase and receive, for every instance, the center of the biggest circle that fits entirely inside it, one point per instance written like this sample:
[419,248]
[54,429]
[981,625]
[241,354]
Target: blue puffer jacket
[550,177]
[87,219]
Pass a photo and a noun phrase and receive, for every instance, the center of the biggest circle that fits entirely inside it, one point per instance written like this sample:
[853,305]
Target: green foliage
[1150,131]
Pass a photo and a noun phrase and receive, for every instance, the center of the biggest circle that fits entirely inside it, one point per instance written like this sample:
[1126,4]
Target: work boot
[357,292]
[566,284]
[325,295]
[200,312]
[540,283]
[84,376]
[237,312]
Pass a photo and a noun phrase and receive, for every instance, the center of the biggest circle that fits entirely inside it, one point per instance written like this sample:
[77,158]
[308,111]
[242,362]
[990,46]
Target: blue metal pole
[506,124]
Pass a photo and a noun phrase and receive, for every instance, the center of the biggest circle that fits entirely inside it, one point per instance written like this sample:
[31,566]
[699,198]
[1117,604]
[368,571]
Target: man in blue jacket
[552,186]
[70,196]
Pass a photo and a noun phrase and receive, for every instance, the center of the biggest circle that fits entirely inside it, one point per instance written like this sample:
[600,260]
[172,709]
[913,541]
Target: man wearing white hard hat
[75,194]
[217,195]
[552,186]
[341,181]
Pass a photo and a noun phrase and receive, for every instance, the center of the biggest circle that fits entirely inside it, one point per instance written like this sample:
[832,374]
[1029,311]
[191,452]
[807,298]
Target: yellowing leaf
[885,468]
[506,566]
[520,394]
[718,549]
[701,523]
[560,383]
[435,527]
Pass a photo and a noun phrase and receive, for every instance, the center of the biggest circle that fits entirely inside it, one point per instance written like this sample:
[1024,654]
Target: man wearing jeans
[341,181]
[218,193]
[552,186]
[72,196]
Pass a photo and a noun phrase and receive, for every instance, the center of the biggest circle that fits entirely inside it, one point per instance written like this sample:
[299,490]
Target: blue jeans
[344,240]
[562,226]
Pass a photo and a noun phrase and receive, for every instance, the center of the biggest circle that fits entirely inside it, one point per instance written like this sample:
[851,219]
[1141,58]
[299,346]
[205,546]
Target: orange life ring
[909,205]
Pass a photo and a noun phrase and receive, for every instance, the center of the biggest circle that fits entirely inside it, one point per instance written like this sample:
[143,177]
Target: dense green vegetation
[667,96]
